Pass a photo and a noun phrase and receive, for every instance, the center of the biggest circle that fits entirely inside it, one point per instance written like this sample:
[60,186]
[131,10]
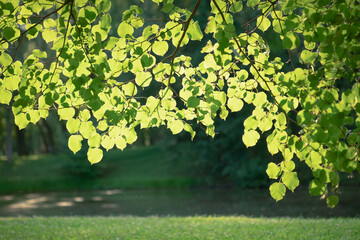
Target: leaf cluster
[85,81]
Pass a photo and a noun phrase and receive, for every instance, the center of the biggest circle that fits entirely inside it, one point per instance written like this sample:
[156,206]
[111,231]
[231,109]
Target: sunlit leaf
[66,113]
[250,138]
[5,96]
[290,180]
[277,191]
[263,23]
[273,171]
[235,104]
[94,155]
[74,143]
[160,47]
[125,29]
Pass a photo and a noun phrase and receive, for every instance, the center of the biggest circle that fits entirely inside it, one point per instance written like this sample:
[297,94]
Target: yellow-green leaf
[235,104]
[273,170]
[176,126]
[160,48]
[290,179]
[5,96]
[73,125]
[74,143]
[277,191]
[250,138]
[263,23]
[94,155]
[107,142]
[143,79]
[124,29]
[66,113]
[12,82]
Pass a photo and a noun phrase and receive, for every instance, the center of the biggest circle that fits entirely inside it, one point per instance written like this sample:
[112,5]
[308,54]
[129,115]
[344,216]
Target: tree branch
[252,64]
[172,56]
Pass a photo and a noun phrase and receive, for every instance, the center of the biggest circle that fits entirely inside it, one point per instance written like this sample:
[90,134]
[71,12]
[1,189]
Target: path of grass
[178,228]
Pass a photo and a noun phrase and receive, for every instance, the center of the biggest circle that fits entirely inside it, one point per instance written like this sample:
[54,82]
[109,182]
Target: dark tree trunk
[47,136]
[22,147]
[9,153]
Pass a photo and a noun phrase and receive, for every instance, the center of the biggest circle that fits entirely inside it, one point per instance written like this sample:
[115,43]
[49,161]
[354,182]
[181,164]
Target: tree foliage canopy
[93,76]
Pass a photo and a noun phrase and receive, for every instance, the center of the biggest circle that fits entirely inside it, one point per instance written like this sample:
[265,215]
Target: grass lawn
[178,228]
[141,167]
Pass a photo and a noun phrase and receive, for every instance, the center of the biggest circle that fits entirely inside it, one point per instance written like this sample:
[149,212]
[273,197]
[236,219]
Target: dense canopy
[95,76]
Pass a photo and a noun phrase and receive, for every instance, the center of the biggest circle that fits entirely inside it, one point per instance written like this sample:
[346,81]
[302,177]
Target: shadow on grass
[255,203]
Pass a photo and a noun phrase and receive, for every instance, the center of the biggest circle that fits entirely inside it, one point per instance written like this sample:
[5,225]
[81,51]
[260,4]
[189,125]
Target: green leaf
[94,155]
[49,35]
[263,23]
[39,54]
[34,116]
[21,120]
[90,13]
[251,3]
[332,201]
[316,158]
[147,61]
[291,41]
[260,99]
[189,129]
[308,57]
[195,32]
[236,7]
[291,180]
[130,136]
[120,142]
[125,29]
[129,89]
[74,143]
[94,141]
[143,79]
[105,22]
[9,33]
[66,113]
[5,96]
[288,166]
[160,48]
[273,170]
[176,126]
[87,129]
[84,115]
[107,142]
[277,191]
[49,23]
[12,82]
[193,102]
[251,123]
[316,187]
[168,104]
[265,124]
[152,103]
[80,3]
[250,138]
[103,5]
[167,7]
[235,104]
[5,59]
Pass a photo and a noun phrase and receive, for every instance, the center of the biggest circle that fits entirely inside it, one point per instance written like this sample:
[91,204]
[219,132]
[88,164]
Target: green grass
[142,167]
[178,228]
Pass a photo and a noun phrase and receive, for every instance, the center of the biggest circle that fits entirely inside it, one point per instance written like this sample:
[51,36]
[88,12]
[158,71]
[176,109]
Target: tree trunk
[22,147]
[9,143]
[47,136]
